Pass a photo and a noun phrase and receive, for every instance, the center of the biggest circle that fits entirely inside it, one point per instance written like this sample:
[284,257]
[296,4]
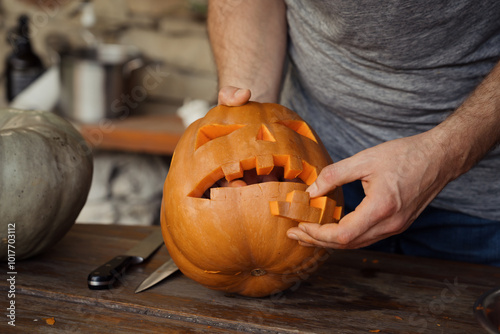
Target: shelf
[154,134]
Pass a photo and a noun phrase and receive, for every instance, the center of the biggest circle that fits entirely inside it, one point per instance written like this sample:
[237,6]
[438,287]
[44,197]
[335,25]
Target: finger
[363,241]
[233,96]
[306,244]
[233,183]
[307,240]
[237,183]
[352,230]
[336,175]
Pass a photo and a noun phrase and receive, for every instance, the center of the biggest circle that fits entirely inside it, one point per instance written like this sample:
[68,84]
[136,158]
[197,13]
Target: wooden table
[354,292]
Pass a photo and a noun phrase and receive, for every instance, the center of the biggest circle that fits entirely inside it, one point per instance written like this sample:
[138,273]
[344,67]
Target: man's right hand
[233,96]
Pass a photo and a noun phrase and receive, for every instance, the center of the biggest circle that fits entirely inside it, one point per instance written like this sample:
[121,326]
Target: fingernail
[239,92]
[302,227]
[312,189]
[292,236]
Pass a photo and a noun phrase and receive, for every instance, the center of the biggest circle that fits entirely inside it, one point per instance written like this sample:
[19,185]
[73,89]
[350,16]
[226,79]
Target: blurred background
[144,63]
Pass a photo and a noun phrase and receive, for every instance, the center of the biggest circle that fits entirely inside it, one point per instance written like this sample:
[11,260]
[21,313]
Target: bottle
[22,66]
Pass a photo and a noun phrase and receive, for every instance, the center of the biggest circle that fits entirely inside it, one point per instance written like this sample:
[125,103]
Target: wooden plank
[354,291]
[44,315]
[154,134]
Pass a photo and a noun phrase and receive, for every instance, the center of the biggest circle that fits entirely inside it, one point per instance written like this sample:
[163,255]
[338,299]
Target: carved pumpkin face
[234,238]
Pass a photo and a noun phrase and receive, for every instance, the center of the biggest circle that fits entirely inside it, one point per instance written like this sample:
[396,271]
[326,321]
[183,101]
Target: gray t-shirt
[367,71]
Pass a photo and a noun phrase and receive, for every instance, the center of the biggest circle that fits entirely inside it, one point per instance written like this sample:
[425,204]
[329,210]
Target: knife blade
[106,275]
[165,270]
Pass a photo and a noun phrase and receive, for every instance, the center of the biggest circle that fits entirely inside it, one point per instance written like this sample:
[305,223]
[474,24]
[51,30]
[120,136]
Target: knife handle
[106,275]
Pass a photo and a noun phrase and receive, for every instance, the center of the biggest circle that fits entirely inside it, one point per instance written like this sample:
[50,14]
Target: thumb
[233,96]
[333,176]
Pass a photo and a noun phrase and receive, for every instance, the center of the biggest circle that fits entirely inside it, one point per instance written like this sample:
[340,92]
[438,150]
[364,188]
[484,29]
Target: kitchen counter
[355,291]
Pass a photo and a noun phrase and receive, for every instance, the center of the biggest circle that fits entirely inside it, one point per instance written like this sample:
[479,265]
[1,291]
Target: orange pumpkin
[234,238]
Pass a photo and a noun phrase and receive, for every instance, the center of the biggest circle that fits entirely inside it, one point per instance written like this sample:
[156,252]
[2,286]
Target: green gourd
[45,175]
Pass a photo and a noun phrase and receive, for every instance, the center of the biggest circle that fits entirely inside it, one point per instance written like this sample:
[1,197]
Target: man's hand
[399,177]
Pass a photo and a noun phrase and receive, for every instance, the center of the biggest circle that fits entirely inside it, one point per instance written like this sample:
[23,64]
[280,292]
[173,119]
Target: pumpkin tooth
[309,173]
[264,164]
[298,196]
[300,207]
[232,170]
[248,163]
[295,211]
[327,206]
[293,167]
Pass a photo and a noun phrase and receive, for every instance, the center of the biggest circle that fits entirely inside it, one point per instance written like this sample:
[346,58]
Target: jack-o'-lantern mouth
[250,177]
[260,169]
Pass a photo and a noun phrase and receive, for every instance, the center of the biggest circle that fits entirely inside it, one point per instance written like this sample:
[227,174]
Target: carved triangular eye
[265,134]
[300,127]
[211,131]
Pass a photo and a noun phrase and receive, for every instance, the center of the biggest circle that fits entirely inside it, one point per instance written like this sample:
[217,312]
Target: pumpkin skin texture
[235,240]
[45,176]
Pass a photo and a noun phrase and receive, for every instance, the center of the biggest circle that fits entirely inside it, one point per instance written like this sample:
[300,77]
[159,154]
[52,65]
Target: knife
[158,275]
[106,275]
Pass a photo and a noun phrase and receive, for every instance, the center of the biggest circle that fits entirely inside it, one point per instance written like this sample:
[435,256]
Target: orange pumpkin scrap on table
[233,237]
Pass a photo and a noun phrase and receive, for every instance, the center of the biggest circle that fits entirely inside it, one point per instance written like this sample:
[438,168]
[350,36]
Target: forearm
[248,40]
[468,134]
